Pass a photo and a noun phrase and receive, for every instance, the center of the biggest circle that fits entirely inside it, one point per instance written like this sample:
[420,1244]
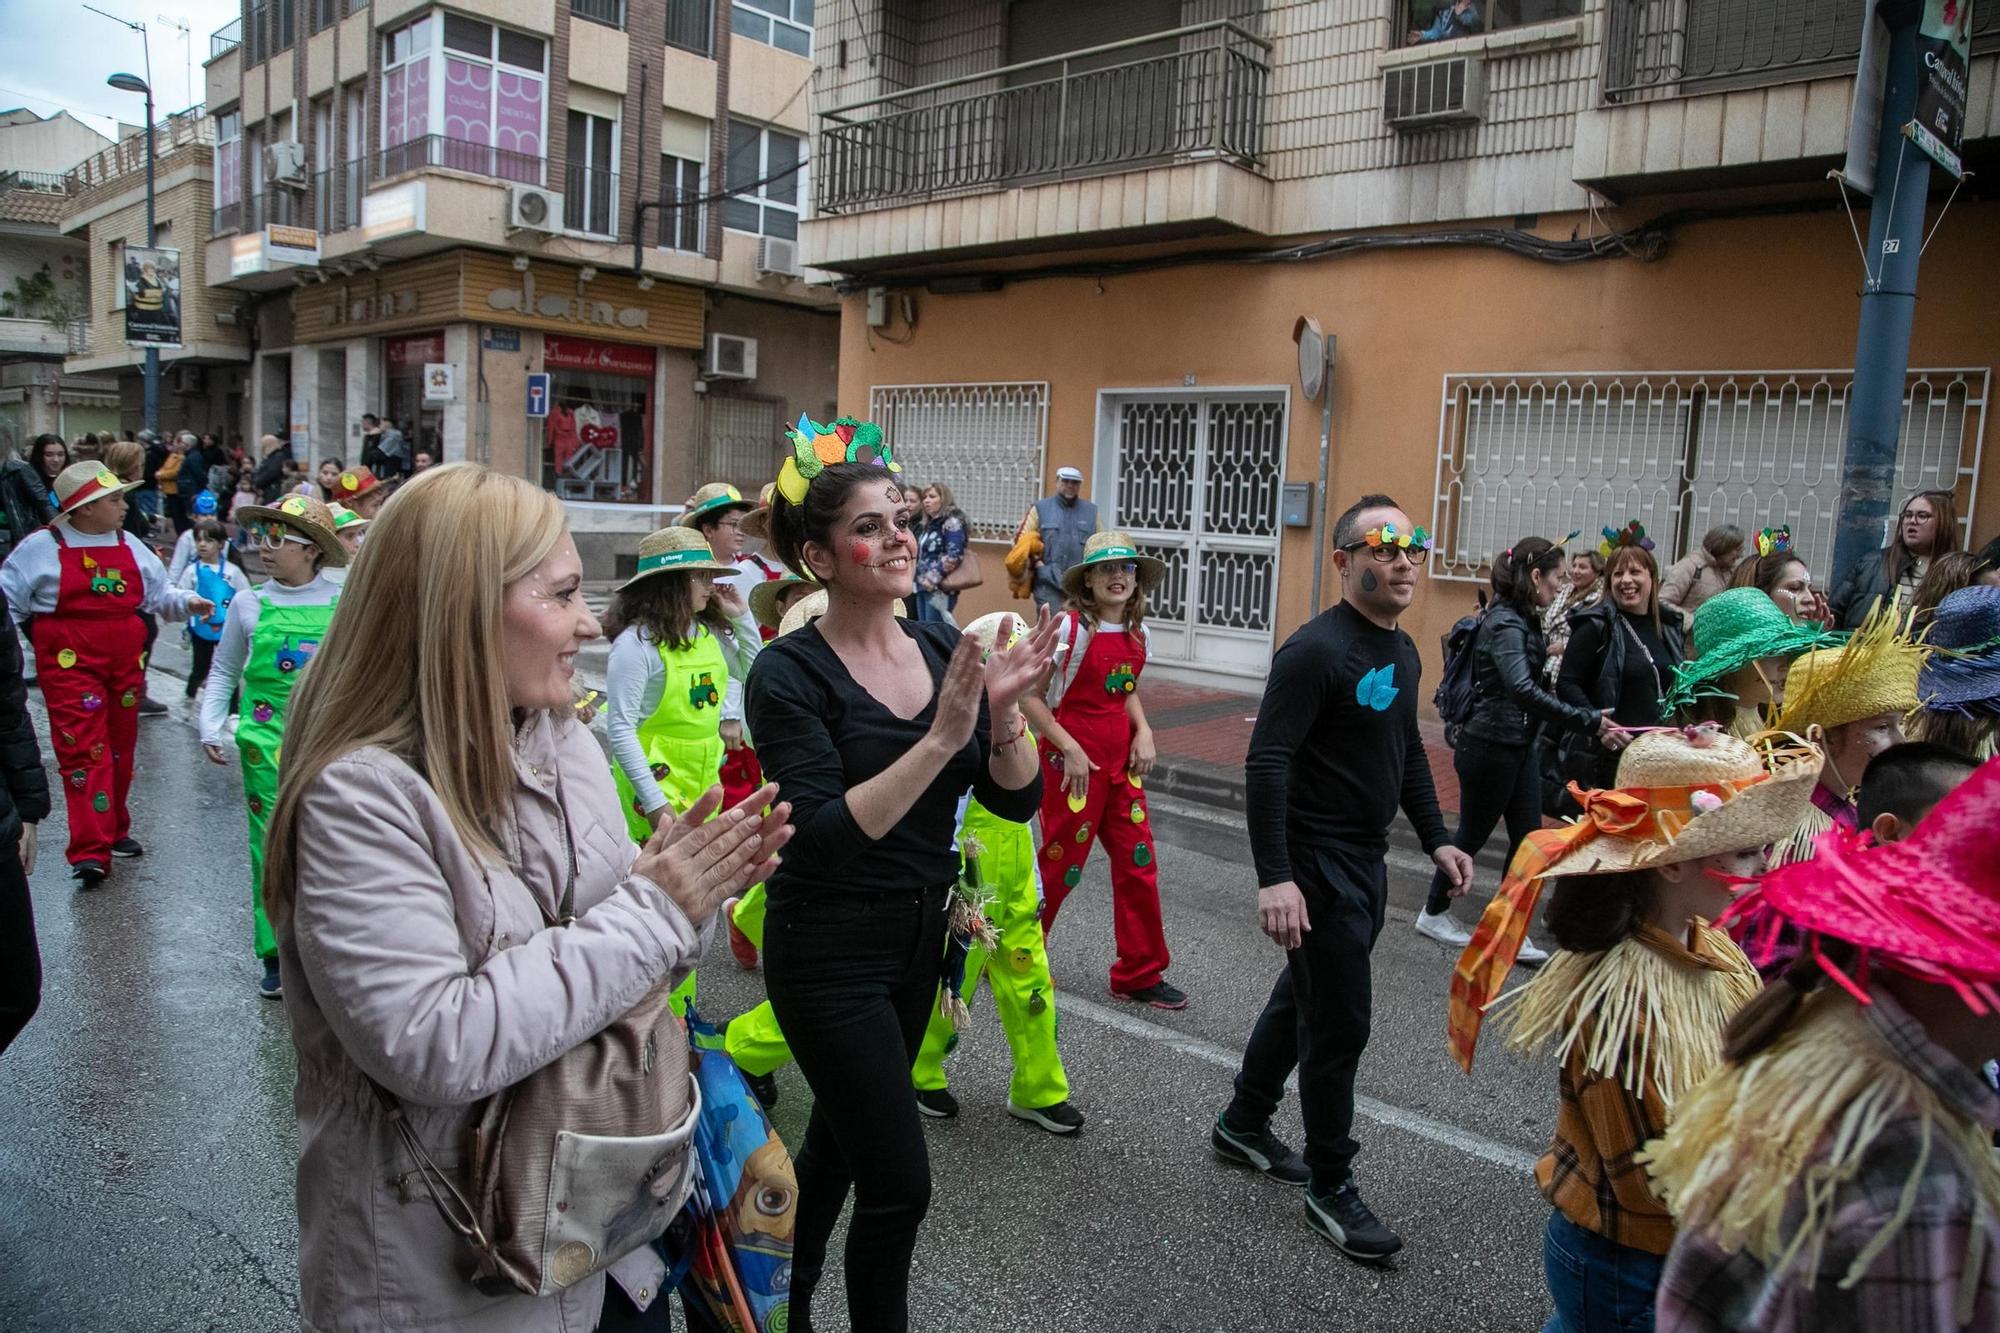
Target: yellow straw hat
[675,550]
[757,523]
[304,515]
[764,598]
[810,608]
[1873,673]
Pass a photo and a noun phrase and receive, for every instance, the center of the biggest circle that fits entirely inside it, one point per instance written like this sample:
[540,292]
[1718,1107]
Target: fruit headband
[1386,535]
[816,447]
[1772,541]
[1632,534]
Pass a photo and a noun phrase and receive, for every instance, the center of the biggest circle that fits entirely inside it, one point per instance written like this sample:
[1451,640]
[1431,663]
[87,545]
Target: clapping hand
[698,861]
[1021,669]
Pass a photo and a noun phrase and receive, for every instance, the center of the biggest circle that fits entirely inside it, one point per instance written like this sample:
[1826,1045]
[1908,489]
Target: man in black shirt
[1336,750]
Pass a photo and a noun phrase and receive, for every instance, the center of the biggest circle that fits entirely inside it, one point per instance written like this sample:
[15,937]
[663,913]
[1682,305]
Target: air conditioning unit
[778,255]
[731,357]
[531,208]
[285,163]
[1434,93]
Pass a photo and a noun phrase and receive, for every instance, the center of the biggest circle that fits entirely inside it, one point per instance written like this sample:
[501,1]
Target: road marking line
[1411,1122]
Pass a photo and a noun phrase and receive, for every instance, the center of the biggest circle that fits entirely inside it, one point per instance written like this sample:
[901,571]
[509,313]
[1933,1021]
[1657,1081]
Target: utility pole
[1888,303]
[124,83]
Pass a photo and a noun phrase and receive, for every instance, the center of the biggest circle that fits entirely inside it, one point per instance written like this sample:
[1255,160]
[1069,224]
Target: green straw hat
[714,498]
[1106,548]
[675,551]
[1732,629]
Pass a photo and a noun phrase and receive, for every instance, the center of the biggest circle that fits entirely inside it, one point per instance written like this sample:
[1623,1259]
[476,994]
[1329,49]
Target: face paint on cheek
[858,553]
[1369,583]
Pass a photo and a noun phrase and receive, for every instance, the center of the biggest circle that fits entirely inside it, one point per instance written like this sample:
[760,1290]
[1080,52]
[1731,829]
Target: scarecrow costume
[268,638]
[1097,670]
[1636,1026]
[1842,1175]
[79,596]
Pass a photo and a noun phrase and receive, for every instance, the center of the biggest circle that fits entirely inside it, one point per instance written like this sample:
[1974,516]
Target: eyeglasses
[270,536]
[1386,555]
[1908,514]
[1116,567]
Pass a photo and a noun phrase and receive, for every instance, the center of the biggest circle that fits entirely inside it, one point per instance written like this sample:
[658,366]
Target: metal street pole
[152,239]
[1888,305]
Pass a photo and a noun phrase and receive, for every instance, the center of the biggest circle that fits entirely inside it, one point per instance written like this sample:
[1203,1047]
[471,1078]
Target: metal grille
[984,441]
[741,439]
[1156,464]
[1664,47]
[1244,476]
[1681,452]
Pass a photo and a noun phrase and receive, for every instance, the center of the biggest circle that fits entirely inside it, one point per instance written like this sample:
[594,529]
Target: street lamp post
[132,83]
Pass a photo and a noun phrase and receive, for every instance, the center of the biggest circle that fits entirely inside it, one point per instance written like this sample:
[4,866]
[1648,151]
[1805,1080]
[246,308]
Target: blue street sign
[538,395]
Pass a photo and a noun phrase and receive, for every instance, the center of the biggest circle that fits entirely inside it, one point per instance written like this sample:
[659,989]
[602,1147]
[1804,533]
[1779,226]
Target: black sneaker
[271,988]
[90,874]
[1346,1221]
[764,1087]
[937,1103]
[1160,995]
[1261,1151]
[152,708]
[127,847]
[1062,1118]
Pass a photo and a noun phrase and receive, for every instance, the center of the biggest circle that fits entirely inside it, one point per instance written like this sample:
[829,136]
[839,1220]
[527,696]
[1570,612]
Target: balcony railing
[435,150]
[611,13]
[681,214]
[284,207]
[336,197]
[1194,91]
[691,25]
[1661,48]
[590,201]
[225,39]
[225,219]
[128,155]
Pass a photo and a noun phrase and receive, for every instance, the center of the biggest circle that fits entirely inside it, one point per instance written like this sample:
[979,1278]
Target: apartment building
[432,208]
[1581,258]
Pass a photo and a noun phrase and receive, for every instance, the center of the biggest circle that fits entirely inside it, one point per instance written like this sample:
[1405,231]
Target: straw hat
[303,515]
[986,630]
[80,483]
[718,497]
[1963,676]
[810,608]
[675,550]
[1873,673]
[764,598]
[1105,547]
[757,523]
[353,484]
[346,520]
[1732,629]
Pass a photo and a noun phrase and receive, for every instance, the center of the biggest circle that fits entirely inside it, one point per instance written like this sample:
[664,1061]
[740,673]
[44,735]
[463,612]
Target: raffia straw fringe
[1799,846]
[1639,1017]
[1805,1112]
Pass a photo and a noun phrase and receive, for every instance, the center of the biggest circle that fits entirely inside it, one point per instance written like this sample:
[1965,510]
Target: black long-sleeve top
[24,787]
[1336,747]
[819,733]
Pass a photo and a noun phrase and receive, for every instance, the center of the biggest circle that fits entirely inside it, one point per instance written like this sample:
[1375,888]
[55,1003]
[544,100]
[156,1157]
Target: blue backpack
[1454,696]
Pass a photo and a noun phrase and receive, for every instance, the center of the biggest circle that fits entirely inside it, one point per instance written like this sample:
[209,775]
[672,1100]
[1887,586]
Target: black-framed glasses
[1386,554]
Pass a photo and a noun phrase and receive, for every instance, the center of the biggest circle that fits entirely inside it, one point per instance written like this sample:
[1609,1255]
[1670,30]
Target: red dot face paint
[859,553]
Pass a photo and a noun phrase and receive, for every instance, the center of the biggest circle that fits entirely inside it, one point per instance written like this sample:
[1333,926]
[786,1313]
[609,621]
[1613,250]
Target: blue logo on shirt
[1377,689]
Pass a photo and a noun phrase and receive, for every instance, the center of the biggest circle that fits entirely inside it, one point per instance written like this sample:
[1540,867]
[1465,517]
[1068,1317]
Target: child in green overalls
[666,687]
[268,638]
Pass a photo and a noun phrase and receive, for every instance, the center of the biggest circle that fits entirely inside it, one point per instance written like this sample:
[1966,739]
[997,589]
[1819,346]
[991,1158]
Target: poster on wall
[152,281]
[440,382]
[1944,51]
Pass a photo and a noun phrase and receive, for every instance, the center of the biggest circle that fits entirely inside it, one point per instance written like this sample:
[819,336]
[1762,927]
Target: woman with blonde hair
[439,810]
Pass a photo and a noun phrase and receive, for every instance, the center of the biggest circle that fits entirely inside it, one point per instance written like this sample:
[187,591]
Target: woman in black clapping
[874,728]
[1621,657]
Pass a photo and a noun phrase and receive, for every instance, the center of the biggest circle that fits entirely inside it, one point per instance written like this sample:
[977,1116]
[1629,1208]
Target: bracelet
[1016,737]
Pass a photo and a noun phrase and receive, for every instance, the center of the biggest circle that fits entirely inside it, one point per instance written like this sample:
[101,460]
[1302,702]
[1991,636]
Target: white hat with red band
[80,483]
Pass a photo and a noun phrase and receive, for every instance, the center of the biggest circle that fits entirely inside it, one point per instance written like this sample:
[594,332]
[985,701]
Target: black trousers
[20,957]
[852,978]
[1495,782]
[204,657]
[1317,1017]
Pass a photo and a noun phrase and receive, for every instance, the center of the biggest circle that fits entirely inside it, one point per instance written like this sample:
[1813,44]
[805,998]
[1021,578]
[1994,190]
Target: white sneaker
[1529,954]
[1444,928]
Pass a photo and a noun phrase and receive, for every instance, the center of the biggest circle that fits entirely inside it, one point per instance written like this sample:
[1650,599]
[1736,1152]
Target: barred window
[1545,455]
[743,438]
[984,441]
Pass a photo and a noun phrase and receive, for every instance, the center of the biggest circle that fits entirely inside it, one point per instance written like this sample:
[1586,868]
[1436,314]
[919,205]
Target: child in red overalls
[80,584]
[1096,751]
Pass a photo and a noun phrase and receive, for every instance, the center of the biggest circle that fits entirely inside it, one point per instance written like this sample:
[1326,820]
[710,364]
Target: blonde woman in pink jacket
[438,794]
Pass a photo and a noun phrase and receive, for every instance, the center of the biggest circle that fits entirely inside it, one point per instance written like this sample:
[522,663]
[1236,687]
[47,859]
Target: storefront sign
[501,340]
[1944,49]
[395,211]
[580,309]
[440,382]
[152,281]
[291,245]
[560,353]
[413,353]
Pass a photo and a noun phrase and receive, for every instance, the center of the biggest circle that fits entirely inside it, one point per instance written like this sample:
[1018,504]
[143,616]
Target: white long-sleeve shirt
[226,671]
[32,575]
[182,558]
[634,682]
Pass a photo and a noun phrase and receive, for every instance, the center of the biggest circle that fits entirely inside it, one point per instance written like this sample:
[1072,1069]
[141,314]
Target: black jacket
[269,478]
[1509,703]
[1598,684]
[24,503]
[24,787]
[1866,582]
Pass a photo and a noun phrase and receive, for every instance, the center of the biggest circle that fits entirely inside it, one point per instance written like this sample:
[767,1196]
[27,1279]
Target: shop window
[598,440]
[766,172]
[404,360]
[785,24]
[1441,20]
[461,93]
[680,214]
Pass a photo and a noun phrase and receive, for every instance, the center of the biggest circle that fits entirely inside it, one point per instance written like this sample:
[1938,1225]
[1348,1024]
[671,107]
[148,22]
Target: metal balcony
[225,39]
[1661,48]
[435,150]
[1172,96]
[336,196]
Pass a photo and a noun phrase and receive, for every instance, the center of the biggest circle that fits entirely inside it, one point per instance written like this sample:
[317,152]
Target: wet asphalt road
[147,1142]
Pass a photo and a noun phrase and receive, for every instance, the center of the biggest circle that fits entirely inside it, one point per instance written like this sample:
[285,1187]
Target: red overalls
[742,772]
[1093,712]
[90,652]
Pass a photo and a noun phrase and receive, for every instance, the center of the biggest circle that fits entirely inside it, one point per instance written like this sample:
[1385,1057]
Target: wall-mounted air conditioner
[730,358]
[285,163]
[531,208]
[778,256]
[1434,93]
